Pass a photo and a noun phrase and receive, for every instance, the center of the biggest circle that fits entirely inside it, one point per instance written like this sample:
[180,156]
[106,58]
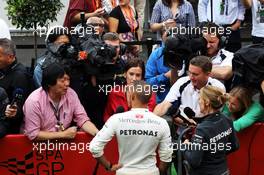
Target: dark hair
[111,36]
[55,32]
[212,28]
[142,91]
[8,46]
[50,75]
[136,62]
[169,2]
[203,62]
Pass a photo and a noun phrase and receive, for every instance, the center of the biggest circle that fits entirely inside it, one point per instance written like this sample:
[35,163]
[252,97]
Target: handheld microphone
[189,112]
[17,96]
[175,112]
[119,109]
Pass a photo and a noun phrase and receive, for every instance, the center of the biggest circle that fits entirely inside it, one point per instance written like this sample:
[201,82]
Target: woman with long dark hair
[134,70]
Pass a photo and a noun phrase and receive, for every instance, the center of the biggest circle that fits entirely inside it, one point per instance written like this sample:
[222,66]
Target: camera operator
[228,14]
[56,37]
[214,137]
[185,92]
[98,24]
[221,58]
[102,66]
[159,74]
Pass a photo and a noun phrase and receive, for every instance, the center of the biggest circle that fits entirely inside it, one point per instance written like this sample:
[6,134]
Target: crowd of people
[66,94]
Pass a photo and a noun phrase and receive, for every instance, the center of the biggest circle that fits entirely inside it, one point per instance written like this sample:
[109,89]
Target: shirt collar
[140,109]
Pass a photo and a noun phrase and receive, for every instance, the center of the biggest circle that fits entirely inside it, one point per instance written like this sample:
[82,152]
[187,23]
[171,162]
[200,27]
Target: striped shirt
[162,13]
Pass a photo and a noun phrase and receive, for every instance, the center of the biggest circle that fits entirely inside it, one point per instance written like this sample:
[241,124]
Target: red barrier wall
[249,159]
[17,157]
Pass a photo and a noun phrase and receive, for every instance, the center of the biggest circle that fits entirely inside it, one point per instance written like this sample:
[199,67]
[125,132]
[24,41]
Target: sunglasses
[96,24]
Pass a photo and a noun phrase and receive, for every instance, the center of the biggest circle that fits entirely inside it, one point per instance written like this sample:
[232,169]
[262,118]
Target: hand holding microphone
[184,116]
[11,109]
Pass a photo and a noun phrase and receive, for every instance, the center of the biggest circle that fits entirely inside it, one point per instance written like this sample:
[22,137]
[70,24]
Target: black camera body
[179,49]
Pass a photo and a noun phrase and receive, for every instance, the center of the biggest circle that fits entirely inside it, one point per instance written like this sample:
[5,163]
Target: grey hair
[8,46]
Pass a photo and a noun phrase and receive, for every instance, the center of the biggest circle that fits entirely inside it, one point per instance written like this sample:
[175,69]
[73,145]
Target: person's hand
[168,74]
[169,23]
[236,26]
[11,111]
[186,141]
[70,132]
[115,167]
[192,122]
[99,12]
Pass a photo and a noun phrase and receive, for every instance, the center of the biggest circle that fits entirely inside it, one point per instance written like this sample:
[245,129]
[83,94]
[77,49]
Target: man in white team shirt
[139,133]
[185,91]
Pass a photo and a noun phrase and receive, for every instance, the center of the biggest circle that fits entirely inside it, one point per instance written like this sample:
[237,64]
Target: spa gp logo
[25,166]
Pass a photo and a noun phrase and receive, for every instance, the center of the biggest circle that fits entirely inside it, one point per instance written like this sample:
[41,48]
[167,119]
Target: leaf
[25,13]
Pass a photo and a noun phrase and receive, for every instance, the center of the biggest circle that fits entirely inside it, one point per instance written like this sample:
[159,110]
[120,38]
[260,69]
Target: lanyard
[59,124]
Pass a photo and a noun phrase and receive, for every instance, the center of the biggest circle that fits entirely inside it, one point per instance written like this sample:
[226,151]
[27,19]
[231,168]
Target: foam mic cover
[189,112]
[17,96]
[120,109]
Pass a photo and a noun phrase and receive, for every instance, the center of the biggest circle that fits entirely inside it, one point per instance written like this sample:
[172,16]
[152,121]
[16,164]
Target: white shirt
[139,133]
[233,10]
[218,60]
[4,30]
[189,96]
[257,28]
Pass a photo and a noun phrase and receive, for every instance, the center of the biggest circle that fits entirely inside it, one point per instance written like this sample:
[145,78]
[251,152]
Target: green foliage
[32,13]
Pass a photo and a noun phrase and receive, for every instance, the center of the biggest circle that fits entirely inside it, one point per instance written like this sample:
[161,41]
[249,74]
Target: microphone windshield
[189,112]
[17,96]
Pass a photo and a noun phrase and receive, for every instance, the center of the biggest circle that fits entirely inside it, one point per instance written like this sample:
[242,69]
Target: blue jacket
[155,71]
